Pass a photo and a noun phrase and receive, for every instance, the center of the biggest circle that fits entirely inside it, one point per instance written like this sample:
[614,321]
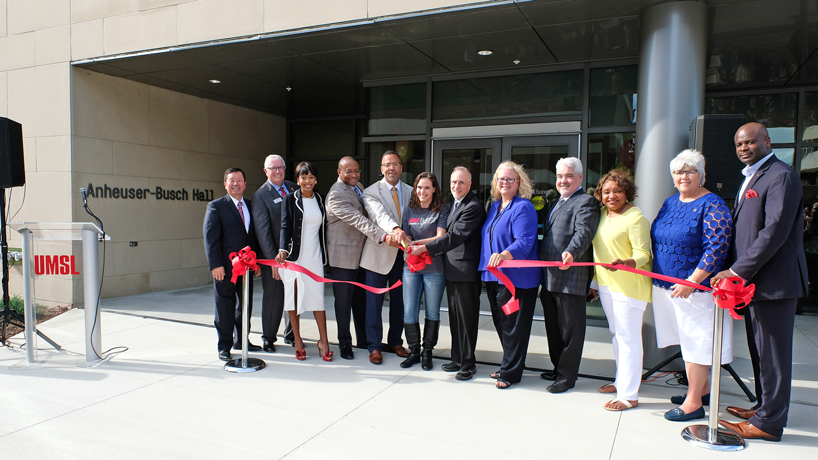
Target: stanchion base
[726,441]
[253,364]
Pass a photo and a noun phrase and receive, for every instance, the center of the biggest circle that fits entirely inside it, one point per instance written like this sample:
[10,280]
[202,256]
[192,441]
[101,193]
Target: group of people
[366,235]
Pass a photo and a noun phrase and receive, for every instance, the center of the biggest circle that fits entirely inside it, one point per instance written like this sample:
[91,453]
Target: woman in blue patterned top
[691,237]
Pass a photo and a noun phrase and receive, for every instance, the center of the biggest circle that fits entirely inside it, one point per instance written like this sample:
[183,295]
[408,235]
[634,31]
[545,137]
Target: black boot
[413,340]
[430,332]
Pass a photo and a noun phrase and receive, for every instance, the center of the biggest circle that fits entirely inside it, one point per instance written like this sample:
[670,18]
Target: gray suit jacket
[348,226]
[571,228]
[379,257]
[267,218]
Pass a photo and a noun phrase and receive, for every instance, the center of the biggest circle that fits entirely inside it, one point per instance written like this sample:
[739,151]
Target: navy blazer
[768,248]
[267,217]
[292,219]
[461,243]
[224,233]
[514,230]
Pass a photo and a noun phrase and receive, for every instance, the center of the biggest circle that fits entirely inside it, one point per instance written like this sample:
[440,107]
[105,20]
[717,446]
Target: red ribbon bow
[244,259]
[731,294]
[417,263]
[750,194]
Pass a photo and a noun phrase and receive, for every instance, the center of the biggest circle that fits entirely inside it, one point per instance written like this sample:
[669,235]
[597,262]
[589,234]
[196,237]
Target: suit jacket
[571,228]
[379,257]
[514,230]
[224,233]
[267,217]
[348,226]
[461,243]
[292,230]
[768,248]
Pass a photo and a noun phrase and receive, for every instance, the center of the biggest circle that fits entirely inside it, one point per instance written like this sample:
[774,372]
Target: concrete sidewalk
[168,396]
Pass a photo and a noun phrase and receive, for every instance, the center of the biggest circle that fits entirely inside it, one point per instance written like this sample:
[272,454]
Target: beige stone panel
[283,15]
[178,120]
[140,31]
[4,88]
[234,131]
[192,253]
[124,285]
[198,166]
[92,155]
[53,45]
[145,161]
[86,10]
[387,7]
[110,108]
[178,219]
[149,4]
[2,18]
[30,154]
[124,219]
[130,260]
[164,255]
[272,135]
[47,199]
[29,15]
[39,99]
[17,51]
[54,154]
[87,39]
[178,279]
[213,19]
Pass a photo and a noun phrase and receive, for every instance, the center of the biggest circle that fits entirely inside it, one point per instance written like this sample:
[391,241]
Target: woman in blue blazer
[510,233]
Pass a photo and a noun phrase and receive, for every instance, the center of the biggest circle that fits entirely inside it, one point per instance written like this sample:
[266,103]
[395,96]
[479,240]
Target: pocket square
[750,194]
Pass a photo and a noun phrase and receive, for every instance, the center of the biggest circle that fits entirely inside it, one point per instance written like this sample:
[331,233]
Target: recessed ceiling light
[485,52]
[516,61]
[289,88]
[214,81]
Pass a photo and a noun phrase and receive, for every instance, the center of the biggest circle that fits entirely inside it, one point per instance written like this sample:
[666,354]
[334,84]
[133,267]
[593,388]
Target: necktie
[282,191]
[561,200]
[358,191]
[454,208]
[396,200]
[241,213]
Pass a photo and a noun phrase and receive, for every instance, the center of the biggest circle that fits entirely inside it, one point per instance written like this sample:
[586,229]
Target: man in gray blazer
[348,227]
[267,221]
[384,202]
[568,230]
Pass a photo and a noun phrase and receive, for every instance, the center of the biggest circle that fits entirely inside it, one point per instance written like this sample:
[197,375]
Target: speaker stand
[727,367]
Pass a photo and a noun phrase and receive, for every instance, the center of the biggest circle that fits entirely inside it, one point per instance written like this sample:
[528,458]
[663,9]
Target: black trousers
[565,329]
[769,325]
[349,299]
[272,306]
[514,329]
[228,310]
[464,315]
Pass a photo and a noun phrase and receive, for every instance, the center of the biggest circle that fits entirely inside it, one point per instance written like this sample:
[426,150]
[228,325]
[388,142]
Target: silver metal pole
[28,294]
[245,364]
[90,281]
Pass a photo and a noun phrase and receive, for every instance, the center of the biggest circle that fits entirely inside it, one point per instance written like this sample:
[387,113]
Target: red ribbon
[246,259]
[730,293]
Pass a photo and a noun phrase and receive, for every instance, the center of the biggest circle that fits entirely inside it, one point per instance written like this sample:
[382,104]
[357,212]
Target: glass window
[322,139]
[613,96]
[398,109]
[514,96]
[776,111]
[810,118]
[411,153]
[478,161]
[753,59]
[607,152]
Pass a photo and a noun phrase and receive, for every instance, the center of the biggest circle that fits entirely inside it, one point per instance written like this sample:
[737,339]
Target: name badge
[277,200]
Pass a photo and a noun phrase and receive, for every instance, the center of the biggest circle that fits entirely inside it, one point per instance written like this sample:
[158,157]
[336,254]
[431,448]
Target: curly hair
[524,189]
[437,199]
[620,178]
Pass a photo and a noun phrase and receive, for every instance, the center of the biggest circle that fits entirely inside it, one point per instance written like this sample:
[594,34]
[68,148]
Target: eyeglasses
[506,180]
[394,164]
[276,168]
[685,172]
[351,171]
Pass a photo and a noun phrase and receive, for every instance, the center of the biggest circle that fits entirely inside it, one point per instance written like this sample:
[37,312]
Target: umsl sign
[55,265]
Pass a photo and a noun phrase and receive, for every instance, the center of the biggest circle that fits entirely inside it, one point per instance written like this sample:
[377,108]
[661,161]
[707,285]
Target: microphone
[84,197]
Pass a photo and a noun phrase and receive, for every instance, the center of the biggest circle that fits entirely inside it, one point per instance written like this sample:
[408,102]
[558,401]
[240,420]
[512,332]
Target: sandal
[495,375]
[502,384]
[608,388]
[613,405]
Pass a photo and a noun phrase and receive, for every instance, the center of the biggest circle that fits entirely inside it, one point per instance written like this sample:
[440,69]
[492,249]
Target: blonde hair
[524,189]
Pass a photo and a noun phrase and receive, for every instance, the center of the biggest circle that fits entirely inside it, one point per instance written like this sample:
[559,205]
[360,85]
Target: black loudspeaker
[713,135]
[12,167]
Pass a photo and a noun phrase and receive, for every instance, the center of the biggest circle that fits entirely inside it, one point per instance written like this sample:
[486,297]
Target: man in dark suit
[767,251]
[568,230]
[461,246]
[267,222]
[228,228]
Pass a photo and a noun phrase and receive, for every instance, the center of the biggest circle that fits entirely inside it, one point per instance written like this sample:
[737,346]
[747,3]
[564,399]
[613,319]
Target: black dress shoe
[346,351]
[559,387]
[451,367]
[466,374]
[250,347]
[225,355]
[269,346]
[549,375]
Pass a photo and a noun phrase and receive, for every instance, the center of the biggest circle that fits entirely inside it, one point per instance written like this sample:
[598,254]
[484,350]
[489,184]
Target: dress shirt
[749,171]
[244,210]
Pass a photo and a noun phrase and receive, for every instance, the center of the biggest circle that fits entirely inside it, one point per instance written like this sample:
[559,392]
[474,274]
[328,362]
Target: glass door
[480,156]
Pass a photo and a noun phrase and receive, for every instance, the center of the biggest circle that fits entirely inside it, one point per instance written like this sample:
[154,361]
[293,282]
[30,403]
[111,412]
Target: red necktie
[282,191]
[241,213]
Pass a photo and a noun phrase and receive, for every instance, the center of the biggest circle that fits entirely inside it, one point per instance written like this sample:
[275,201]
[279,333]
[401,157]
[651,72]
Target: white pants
[625,322]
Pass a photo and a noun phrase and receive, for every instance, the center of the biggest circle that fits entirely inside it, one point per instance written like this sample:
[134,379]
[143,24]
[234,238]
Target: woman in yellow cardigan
[622,238]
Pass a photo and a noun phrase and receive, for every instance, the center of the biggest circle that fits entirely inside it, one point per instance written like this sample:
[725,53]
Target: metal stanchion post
[245,364]
[710,436]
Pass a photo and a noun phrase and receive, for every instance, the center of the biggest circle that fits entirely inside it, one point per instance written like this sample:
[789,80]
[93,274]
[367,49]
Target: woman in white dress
[302,232]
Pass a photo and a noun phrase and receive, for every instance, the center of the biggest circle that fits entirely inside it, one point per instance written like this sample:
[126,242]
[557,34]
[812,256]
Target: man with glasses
[384,202]
[348,227]
[267,220]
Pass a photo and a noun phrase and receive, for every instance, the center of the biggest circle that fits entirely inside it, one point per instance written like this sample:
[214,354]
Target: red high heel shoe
[301,354]
[325,356]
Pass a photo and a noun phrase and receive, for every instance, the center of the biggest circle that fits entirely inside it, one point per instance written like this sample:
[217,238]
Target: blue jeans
[432,285]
